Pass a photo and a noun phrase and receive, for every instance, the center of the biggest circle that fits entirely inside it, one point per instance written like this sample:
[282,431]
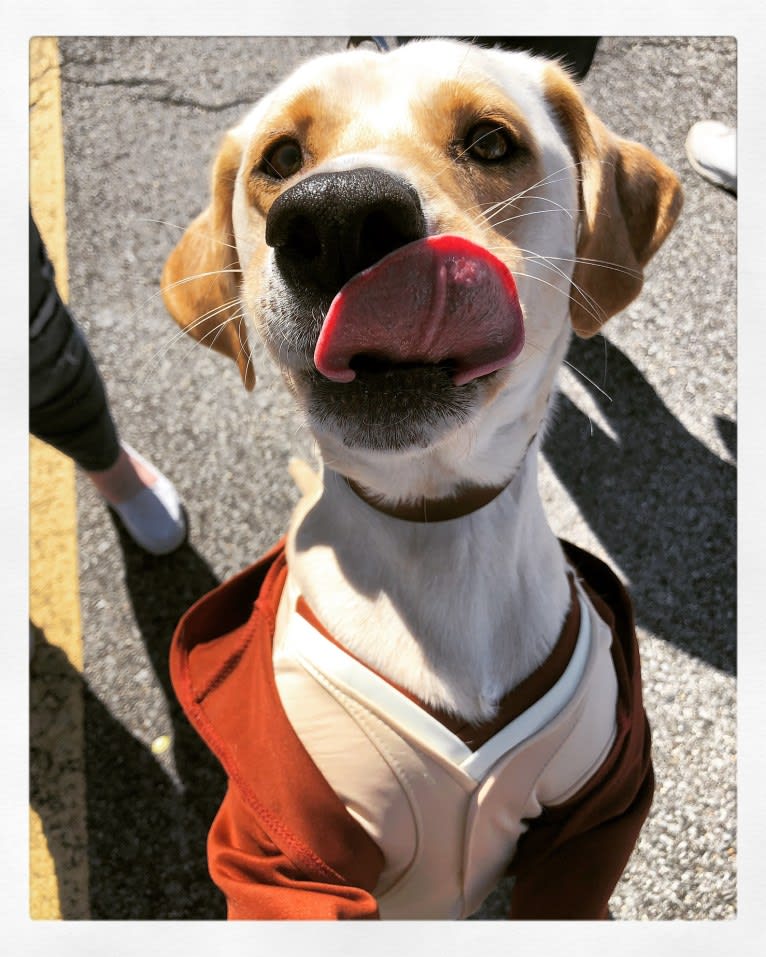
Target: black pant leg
[68,406]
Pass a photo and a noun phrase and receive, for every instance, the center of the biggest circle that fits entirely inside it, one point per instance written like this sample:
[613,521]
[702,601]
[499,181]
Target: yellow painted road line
[58,834]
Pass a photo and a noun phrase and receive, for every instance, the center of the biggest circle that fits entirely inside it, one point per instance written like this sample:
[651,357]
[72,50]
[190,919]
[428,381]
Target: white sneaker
[154,517]
[712,151]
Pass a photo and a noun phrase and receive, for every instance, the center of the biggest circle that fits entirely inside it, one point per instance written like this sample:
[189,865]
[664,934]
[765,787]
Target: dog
[420,689]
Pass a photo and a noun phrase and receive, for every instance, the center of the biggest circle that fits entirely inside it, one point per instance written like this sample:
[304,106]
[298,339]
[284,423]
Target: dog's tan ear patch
[629,201]
[200,281]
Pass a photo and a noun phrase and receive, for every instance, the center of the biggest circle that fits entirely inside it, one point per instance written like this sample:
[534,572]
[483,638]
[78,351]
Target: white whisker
[186,330]
[588,379]
[531,212]
[588,303]
[211,236]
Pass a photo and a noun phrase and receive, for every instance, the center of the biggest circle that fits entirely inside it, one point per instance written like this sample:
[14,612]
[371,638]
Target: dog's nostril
[302,239]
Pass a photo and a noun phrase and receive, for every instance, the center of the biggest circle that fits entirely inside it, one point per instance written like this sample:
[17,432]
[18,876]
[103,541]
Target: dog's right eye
[282,160]
[488,142]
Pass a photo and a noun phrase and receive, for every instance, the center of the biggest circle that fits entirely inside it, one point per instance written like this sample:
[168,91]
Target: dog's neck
[459,610]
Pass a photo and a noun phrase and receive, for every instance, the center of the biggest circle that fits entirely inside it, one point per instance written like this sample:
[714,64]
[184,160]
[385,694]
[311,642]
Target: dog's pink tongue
[438,299]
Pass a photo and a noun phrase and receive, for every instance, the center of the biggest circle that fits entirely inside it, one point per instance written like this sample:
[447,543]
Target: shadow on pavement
[662,504]
[147,831]
[56,790]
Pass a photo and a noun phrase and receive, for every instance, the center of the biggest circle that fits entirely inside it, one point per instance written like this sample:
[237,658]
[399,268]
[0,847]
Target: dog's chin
[389,408]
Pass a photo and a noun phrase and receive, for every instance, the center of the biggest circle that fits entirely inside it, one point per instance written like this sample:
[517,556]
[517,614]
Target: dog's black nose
[330,226]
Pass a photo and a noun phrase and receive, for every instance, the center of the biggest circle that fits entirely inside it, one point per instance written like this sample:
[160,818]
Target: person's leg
[68,409]
[67,402]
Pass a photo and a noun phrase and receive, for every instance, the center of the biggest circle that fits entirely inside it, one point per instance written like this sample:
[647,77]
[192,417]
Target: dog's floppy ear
[200,281]
[629,201]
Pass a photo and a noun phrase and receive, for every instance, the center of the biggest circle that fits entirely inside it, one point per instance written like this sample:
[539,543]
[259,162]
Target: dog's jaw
[484,452]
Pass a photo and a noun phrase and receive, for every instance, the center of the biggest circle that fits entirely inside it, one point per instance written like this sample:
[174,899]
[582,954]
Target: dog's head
[413,235]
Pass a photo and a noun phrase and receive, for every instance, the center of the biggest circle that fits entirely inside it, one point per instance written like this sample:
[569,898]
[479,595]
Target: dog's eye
[283,159]
[488,142]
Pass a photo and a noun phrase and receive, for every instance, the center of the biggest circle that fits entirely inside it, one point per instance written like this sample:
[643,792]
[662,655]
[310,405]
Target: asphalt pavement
[646,477]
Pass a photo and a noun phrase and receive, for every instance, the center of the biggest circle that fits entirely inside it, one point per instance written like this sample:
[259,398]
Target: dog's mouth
[440,301]
[407,342]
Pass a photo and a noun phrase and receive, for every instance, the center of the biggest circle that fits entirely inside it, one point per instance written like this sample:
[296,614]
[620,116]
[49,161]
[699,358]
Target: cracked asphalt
[645,478]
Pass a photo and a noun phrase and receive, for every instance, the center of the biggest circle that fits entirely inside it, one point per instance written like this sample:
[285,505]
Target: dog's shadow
[661,503]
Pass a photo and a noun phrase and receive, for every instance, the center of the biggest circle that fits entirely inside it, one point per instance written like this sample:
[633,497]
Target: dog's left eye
[488,142]
[283,159]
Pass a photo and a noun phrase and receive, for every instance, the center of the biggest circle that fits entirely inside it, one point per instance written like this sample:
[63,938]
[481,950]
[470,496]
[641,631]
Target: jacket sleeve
[569,861]
[262,880]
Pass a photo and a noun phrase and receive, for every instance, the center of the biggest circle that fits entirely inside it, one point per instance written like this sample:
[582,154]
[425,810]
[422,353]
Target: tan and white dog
[414,236]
